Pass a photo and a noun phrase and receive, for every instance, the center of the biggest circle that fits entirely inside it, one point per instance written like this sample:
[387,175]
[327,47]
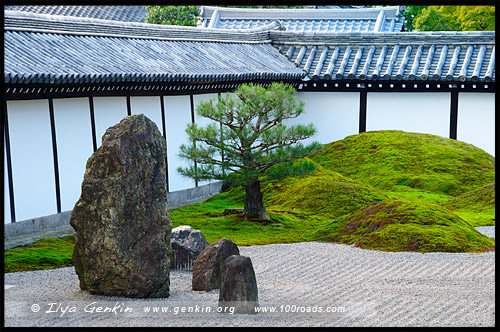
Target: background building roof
[60,49]
[384,19]
[115,13]
[443,56]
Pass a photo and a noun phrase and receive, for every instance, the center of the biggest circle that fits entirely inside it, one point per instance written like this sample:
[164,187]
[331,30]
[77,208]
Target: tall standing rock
[121,219]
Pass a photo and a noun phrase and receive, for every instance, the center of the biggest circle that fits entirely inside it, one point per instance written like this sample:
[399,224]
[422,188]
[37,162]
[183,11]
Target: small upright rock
[187,245]
[121,219]
[238,286]
[208,266]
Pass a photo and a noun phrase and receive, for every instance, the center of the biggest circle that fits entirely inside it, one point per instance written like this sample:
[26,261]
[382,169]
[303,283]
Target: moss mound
[476,206]
[321,192]
[407,226]
[41,255]
[400,161]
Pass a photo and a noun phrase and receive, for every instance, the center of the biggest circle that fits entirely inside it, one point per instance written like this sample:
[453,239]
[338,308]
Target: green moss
[394,191]
[321,192]
[406,226]
[415,167]
[302,204]
[41,255]
[399,161]
[476,206]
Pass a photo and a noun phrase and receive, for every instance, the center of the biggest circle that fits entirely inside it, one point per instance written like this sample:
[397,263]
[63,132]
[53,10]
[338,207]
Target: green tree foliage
[477,18]
[456,18]
[172,15]
[249,138]
[410,13]
[184,15]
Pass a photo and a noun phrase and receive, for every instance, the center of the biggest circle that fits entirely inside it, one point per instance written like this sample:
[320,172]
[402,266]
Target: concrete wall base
[175,199]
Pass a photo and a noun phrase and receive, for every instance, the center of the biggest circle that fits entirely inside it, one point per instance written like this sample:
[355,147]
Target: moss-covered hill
[322,192]
[396,225]
[405,164]
[476,206]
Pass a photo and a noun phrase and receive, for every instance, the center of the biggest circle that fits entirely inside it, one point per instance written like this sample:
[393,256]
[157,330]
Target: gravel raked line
[358,287]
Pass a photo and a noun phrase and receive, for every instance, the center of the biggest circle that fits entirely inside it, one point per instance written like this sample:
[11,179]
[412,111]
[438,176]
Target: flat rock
[208,266]
[121,219]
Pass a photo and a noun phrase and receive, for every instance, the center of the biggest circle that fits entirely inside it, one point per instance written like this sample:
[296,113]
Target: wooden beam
[92,123]
[453,114]
[164,129]
[191,102]
[362,111]
[54,155]
[9,164]
[129,108]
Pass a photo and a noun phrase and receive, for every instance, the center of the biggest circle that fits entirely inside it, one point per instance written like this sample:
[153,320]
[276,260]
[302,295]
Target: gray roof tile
[43,48]
[385,19]
[443,56]
[114,13]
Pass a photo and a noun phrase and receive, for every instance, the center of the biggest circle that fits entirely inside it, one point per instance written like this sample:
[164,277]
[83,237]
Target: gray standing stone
[238,286]
[121,219]
[208,266]
[187,245]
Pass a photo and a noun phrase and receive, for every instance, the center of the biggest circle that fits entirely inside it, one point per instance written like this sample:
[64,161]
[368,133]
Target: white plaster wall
[149,106]
[200,120]
[108,111]
[177,116]
[476,120]
[412,112]
[6,196]
[32,158]
[334,114]
[74,146]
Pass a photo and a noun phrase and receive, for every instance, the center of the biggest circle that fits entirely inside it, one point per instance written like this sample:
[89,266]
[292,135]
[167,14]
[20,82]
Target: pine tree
[249,137]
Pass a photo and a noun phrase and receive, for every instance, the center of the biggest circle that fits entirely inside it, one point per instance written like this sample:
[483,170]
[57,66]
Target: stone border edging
[175,199]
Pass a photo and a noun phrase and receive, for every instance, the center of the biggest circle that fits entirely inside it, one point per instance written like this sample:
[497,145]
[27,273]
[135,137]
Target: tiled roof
[60,49]
[384,19]
[443,56]
[114,13]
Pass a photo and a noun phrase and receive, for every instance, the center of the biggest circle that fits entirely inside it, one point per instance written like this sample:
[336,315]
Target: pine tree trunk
[254,206]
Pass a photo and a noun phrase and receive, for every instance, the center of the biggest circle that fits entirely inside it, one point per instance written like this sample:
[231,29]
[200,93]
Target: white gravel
[487,230]
[375,289]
